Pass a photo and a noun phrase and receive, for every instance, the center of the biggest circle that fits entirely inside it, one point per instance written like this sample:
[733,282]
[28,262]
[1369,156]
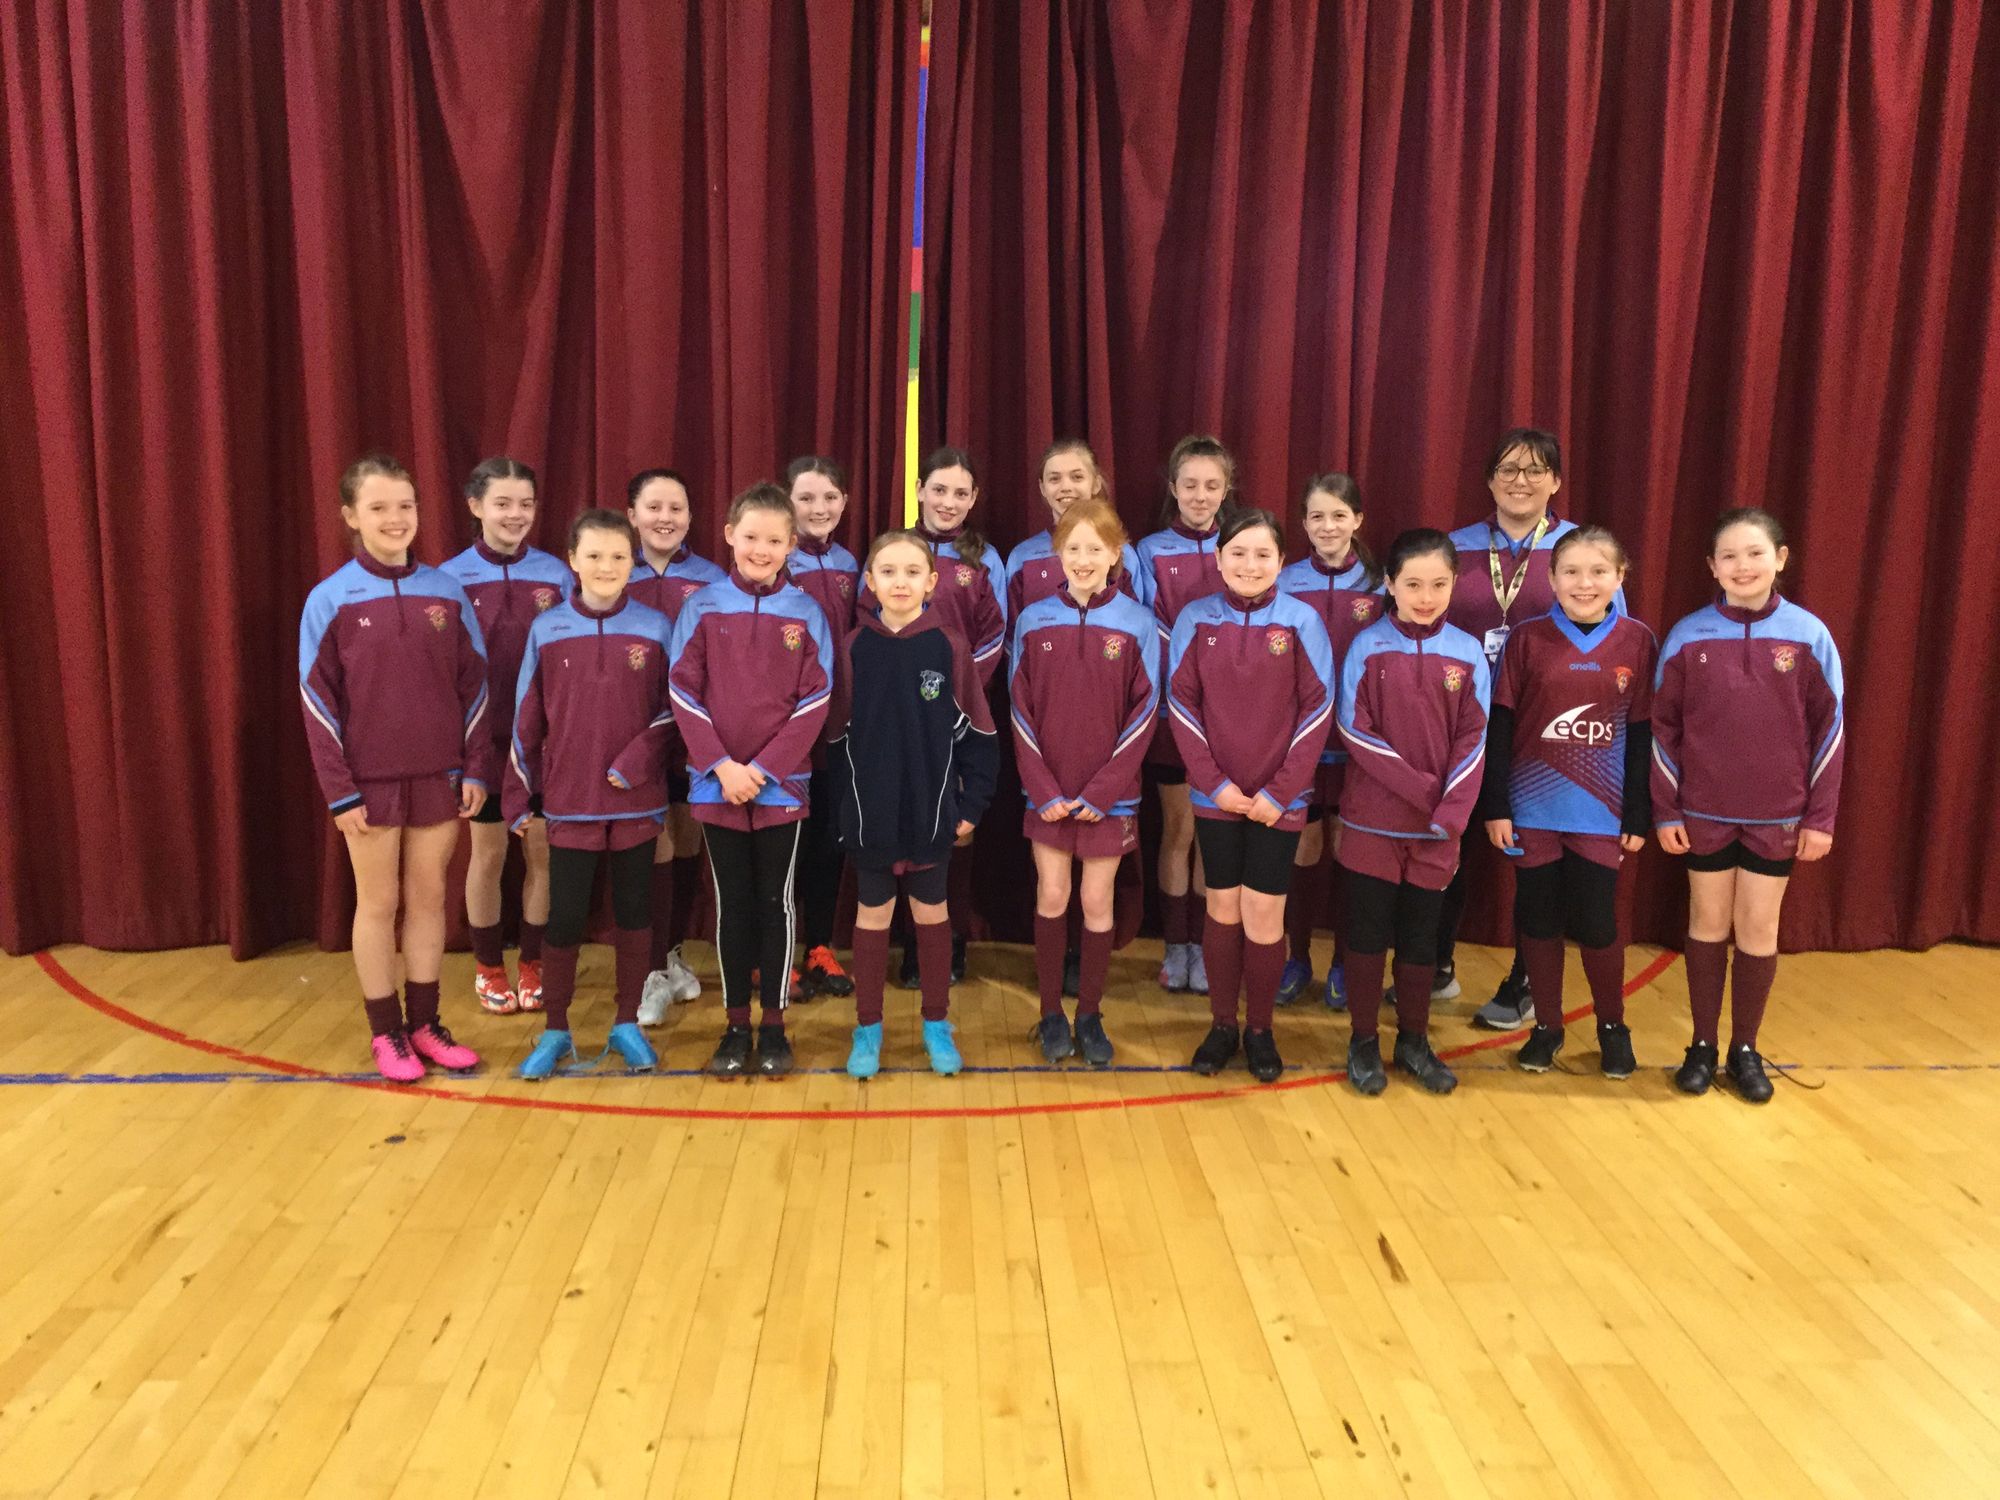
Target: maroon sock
[1364,992]
[1051,934]
[1094,966]
[958,890]
[934,967]
[1749,990]
[1605,969]
[871,974]
[486,946]
[558,985]
[660,905]
[1174,917]
[633,953]
[1413,997]
[687,878]
[1263,966]
[736,1015]
[1544,958]
[1707,964]
[531,941]
[773,1018]
[1222,955]
[420,1002]
[1301,906]
[384,1016]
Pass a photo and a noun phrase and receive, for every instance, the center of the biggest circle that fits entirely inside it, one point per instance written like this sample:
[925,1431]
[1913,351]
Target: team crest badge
[544,599]
[963,573]
[843,585]
[1364,610]
[1624,676]
[1784,658]
[1278,642]
[1454,678]
[1114,647]
[794,636]
[635,656]
[929,685]
[436,615]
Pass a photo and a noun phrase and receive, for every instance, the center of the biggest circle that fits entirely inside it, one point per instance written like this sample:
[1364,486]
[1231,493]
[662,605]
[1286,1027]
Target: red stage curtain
[242,244]
[1732,254]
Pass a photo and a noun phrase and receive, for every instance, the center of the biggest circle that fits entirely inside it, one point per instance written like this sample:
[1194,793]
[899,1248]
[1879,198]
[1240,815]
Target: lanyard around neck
[1505,591]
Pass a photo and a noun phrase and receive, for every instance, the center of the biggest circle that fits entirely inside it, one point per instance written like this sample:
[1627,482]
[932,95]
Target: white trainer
[655,997]
[685,986]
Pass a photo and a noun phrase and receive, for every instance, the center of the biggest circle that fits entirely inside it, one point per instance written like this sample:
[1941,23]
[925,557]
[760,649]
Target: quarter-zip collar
[1347,566]
[1096,601]
[1248,606]
[758,590]
[369,564]
[498,559]
[1746,617]
[813,548]
[1181,528]
[576,603]
[1417,633]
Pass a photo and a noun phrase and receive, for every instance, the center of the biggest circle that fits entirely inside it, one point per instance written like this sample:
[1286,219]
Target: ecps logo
[1572,728]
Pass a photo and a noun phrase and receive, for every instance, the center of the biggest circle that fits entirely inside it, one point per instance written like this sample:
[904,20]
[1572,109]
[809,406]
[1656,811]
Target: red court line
[116,1012]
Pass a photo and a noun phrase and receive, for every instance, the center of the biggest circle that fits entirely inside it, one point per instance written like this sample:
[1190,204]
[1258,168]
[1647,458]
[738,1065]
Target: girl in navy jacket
[509,583]
[753,668]
[665,574]
[912,751]
[1250,694]
[1177,565]
[1748,744]
[1341,581]
[1413,699]
[829,574]
[1085,692]
[392,674]
[591,726]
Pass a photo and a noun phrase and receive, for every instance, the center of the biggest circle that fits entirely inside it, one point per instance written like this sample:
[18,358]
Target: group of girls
[650,706]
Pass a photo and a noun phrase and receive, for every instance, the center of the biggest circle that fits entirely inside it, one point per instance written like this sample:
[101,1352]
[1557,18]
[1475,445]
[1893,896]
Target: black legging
[820,860]
[571,874]
[753,912]
[1571,896]
[1379,915]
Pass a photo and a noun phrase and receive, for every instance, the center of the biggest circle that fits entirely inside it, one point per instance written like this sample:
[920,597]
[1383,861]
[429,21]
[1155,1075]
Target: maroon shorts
[608,835]
[1427,863]
[1107,838]
[1544,846]
[1760,848]
[411,801]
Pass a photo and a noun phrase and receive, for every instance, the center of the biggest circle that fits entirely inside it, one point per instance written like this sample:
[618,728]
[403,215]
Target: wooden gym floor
[232,1266]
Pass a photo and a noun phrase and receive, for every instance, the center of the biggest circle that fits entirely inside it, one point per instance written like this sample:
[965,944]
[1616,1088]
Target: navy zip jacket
[910,742]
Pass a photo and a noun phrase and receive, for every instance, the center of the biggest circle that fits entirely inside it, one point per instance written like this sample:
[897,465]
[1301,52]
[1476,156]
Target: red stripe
[137,1022]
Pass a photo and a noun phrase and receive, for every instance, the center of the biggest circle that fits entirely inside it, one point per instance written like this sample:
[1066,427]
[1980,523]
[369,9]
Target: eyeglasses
[1511,472]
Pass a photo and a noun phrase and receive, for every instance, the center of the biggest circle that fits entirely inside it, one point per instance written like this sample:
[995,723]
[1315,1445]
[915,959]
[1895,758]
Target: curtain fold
[242,244]
[1731,254]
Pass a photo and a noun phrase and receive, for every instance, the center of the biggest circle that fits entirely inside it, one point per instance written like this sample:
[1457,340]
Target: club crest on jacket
[635,656]
[930,684]
[963,573]
[1784,658]
[1364,610]
[1624,676]
[843,585]
[794,636]
[1114,647]
[1278,641]
[544,599]
[436,614]
[1454,678]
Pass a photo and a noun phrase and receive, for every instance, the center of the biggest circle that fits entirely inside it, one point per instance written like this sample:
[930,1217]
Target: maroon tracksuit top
[1084,689]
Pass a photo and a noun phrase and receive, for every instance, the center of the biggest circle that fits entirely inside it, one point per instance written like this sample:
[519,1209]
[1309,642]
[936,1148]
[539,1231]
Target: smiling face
[661,515]
[759,542]
[818,504]
[1522,486]
[602,562]
[1422,590]
[902,576]
[1330,526]
[384,516]
[1250,561]
[1087,560]
[947,498]
[1067,477]
[1200,486]
[1746,562]
[506,513]
[1586,577]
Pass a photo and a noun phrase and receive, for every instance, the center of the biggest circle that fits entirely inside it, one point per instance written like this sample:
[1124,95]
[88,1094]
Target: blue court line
[46,1080]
